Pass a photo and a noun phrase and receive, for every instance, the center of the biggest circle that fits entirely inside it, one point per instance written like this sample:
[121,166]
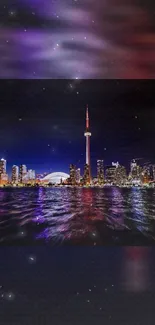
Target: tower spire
[87,118]
[87,135]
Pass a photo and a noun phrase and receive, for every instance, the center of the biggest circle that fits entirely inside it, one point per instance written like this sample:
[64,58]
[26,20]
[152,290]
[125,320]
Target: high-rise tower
[88,135]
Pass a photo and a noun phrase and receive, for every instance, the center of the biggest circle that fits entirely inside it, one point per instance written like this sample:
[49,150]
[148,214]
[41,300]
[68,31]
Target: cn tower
[87,135]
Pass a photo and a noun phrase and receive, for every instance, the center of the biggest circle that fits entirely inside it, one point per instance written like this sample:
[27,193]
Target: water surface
[60,216]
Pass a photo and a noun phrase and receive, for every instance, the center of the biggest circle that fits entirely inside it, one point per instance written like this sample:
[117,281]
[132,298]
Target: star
[32,259]
[9,296]
[12,13]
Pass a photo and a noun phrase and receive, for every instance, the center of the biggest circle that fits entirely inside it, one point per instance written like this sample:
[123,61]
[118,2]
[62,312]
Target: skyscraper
[100,171]
[121,175]
[78,175]
[88,135]
[110,175]
[31,174]
[153,171]
[2,166]
[86,176]
[135,172]
[72,174]
[22,173]
[3,174]
[15,174]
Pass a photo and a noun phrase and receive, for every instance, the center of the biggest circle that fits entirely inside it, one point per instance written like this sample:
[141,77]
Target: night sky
[43,122]
[77,38]
[40,286]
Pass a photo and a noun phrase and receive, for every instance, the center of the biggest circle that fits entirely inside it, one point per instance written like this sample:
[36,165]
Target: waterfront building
[15,174]
[135,175]
[100,172]
[86,176]
[72,178]
[31,174]
[78,175]
[121,175]
[110,175]
[22,173]
[3,174]
[2,166]
[55,178]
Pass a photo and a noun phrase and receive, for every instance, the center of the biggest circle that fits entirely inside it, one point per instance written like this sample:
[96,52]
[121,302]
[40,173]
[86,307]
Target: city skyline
[42,122]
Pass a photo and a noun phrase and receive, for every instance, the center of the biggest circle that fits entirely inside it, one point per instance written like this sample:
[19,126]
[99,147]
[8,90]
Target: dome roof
[55,178]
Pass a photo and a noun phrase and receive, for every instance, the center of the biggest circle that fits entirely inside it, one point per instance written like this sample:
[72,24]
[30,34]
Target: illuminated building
[116,174]
[135,175]
[153,172]
[110,174]
[148,173]
[31,174]
[88,135]
[55,178]
[100,171]
[121,175]
[78,175]
[2,166]
[86,177]
[22,173]
[3,179]
[15,174]
[133,166]
[115,164]
[3,175]
[72,178]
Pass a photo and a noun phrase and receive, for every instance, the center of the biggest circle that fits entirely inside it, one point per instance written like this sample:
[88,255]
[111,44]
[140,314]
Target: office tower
[2,166]
[3,179]
[31,174]
[22,173]
[110,174]
[72,174]
[147,173]
[3,174]
[121,175]
[100,172]
[115,164]
[86,177]
[15,174]
[136,173]
[78,175]
[133,166]
[88,135]
[153,172]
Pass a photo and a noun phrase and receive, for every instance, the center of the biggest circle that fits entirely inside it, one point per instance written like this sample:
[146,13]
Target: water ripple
[77,216]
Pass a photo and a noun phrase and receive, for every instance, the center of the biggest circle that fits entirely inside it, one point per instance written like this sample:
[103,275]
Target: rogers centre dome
[55,178]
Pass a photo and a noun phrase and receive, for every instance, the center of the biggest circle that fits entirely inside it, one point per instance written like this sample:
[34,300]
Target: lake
[77,216]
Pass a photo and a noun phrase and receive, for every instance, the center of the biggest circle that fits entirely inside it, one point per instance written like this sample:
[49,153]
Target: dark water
[110,216]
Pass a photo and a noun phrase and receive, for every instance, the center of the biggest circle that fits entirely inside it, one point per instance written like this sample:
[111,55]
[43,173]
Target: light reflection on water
[77,216]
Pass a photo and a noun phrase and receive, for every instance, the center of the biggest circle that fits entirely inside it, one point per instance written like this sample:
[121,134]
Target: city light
[111,175]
